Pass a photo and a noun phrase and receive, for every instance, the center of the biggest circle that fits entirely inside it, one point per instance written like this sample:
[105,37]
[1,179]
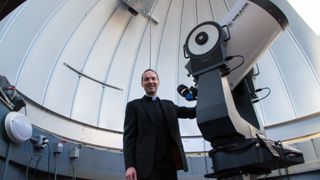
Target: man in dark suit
[151,141]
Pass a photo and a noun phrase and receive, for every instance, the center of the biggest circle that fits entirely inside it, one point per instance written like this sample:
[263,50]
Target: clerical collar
[150,98]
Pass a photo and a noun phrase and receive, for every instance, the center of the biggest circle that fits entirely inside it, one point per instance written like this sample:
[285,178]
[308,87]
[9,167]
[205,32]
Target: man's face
[150,83]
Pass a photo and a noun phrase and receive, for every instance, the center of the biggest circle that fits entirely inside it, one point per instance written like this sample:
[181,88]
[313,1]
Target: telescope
[221,57]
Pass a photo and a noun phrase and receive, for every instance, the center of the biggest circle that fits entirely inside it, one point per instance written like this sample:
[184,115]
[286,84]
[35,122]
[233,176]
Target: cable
[49,155]
[279,172]
[39,161]
[287,173]
[56,168]
[205,156]
[32,157]
[258,70]
[74,176]
[28,162]
[6,163]
[37,157]
[35,169]
[279,144]
[27,168]
[261,89]
[229,58]
[252,94]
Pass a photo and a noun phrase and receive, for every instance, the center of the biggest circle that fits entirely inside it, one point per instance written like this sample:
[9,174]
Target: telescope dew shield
[253,26]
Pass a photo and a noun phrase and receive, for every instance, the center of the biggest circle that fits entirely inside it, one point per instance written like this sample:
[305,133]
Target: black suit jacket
[139,135]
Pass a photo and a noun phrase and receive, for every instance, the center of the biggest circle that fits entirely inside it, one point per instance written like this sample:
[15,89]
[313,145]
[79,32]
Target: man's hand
[131,174]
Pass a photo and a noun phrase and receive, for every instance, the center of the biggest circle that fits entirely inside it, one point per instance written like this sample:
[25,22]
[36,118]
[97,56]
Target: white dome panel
[270,77]
[19,35]
[302,86]
[107,44]
[86,104]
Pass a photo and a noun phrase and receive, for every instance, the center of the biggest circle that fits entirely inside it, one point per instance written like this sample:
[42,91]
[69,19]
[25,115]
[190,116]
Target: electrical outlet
[58,147]
[75,152]
[40,142]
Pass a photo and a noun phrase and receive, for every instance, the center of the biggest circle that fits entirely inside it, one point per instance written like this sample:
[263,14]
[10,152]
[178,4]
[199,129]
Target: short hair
[147,71]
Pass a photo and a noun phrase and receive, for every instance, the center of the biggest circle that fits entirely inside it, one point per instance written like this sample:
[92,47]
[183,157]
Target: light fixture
[18,127]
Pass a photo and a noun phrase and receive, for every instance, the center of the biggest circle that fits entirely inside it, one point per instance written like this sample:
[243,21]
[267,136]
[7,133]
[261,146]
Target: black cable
[35,169]
[256,74]
[37,160]
[205,156]
[27,168]
[287,173]
[279,144]
[261,89]
[42,154]
[279,172]
[32,157]
[252,94]
[229,58]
